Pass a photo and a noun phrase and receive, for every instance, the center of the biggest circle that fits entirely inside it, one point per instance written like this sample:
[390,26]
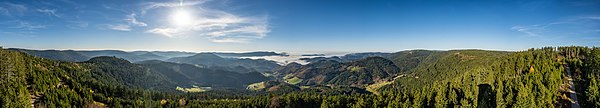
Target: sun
[182,18]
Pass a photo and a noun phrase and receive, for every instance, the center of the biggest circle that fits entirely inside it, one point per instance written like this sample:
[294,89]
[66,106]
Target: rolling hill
[187,75]
[213,60]
[357,73]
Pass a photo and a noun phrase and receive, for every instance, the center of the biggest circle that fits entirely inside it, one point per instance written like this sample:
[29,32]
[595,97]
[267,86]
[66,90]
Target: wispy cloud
[216,25]
[23,25]
[131,18]
[531,30]
[153,5]
[572,25]
[10,9]
[4,11]
[169,32]
[119,27]
[589,18]
[131,21]
[49,12]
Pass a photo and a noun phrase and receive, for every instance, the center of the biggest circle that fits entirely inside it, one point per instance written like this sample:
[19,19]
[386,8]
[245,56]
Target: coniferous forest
[299,53]
[413,78]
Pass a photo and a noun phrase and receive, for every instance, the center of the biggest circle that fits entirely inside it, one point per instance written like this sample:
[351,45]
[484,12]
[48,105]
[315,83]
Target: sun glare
[181,18]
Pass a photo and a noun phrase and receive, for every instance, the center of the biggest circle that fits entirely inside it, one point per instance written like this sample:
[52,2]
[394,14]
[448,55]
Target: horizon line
[286,52]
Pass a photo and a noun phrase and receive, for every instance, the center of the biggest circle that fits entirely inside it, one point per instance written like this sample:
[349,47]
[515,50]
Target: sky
[298,25]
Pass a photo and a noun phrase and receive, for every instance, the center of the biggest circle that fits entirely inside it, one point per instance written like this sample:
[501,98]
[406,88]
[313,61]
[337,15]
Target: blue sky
[298,25]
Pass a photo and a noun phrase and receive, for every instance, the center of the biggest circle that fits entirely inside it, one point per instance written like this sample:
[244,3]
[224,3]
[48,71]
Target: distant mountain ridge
[250,54]
[65,55]
[346,58]
[134,56]
[213,60]
[167,54]
[152,55]
[80,56]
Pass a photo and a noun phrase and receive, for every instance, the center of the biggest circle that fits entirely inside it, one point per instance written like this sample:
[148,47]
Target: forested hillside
[417,78]
[30,81]
[469,78]
[186,75]
[112,70]
[27,81]
[67,55]
[332,73]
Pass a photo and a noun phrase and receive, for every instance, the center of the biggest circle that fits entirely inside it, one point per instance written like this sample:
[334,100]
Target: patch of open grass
[193,89]
[355,68]
[373,87]
[256,86]
[294,80]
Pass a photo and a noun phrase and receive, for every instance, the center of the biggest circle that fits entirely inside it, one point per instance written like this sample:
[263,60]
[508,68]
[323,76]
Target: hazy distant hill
[347,57]
[78,56]
[167,54]
[213,60]
[136,56]
[66,55]
[152,56]
[249,54]
[116,53]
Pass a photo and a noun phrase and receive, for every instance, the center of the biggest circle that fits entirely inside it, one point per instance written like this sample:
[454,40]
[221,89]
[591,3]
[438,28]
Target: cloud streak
[531,30]
[168,32]
[131,18]
[154,5]
[578,25]
[23,25]
[119,27]
[215,25]
[49,12]
[10,9]
[131,21]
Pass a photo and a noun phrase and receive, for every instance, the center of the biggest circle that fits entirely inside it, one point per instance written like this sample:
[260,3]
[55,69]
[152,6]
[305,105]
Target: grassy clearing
[193,89]
[373,87]
[294,80]
[355,68]
[256,86]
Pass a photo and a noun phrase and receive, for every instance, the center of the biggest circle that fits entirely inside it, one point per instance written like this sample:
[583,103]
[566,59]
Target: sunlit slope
[454,78]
